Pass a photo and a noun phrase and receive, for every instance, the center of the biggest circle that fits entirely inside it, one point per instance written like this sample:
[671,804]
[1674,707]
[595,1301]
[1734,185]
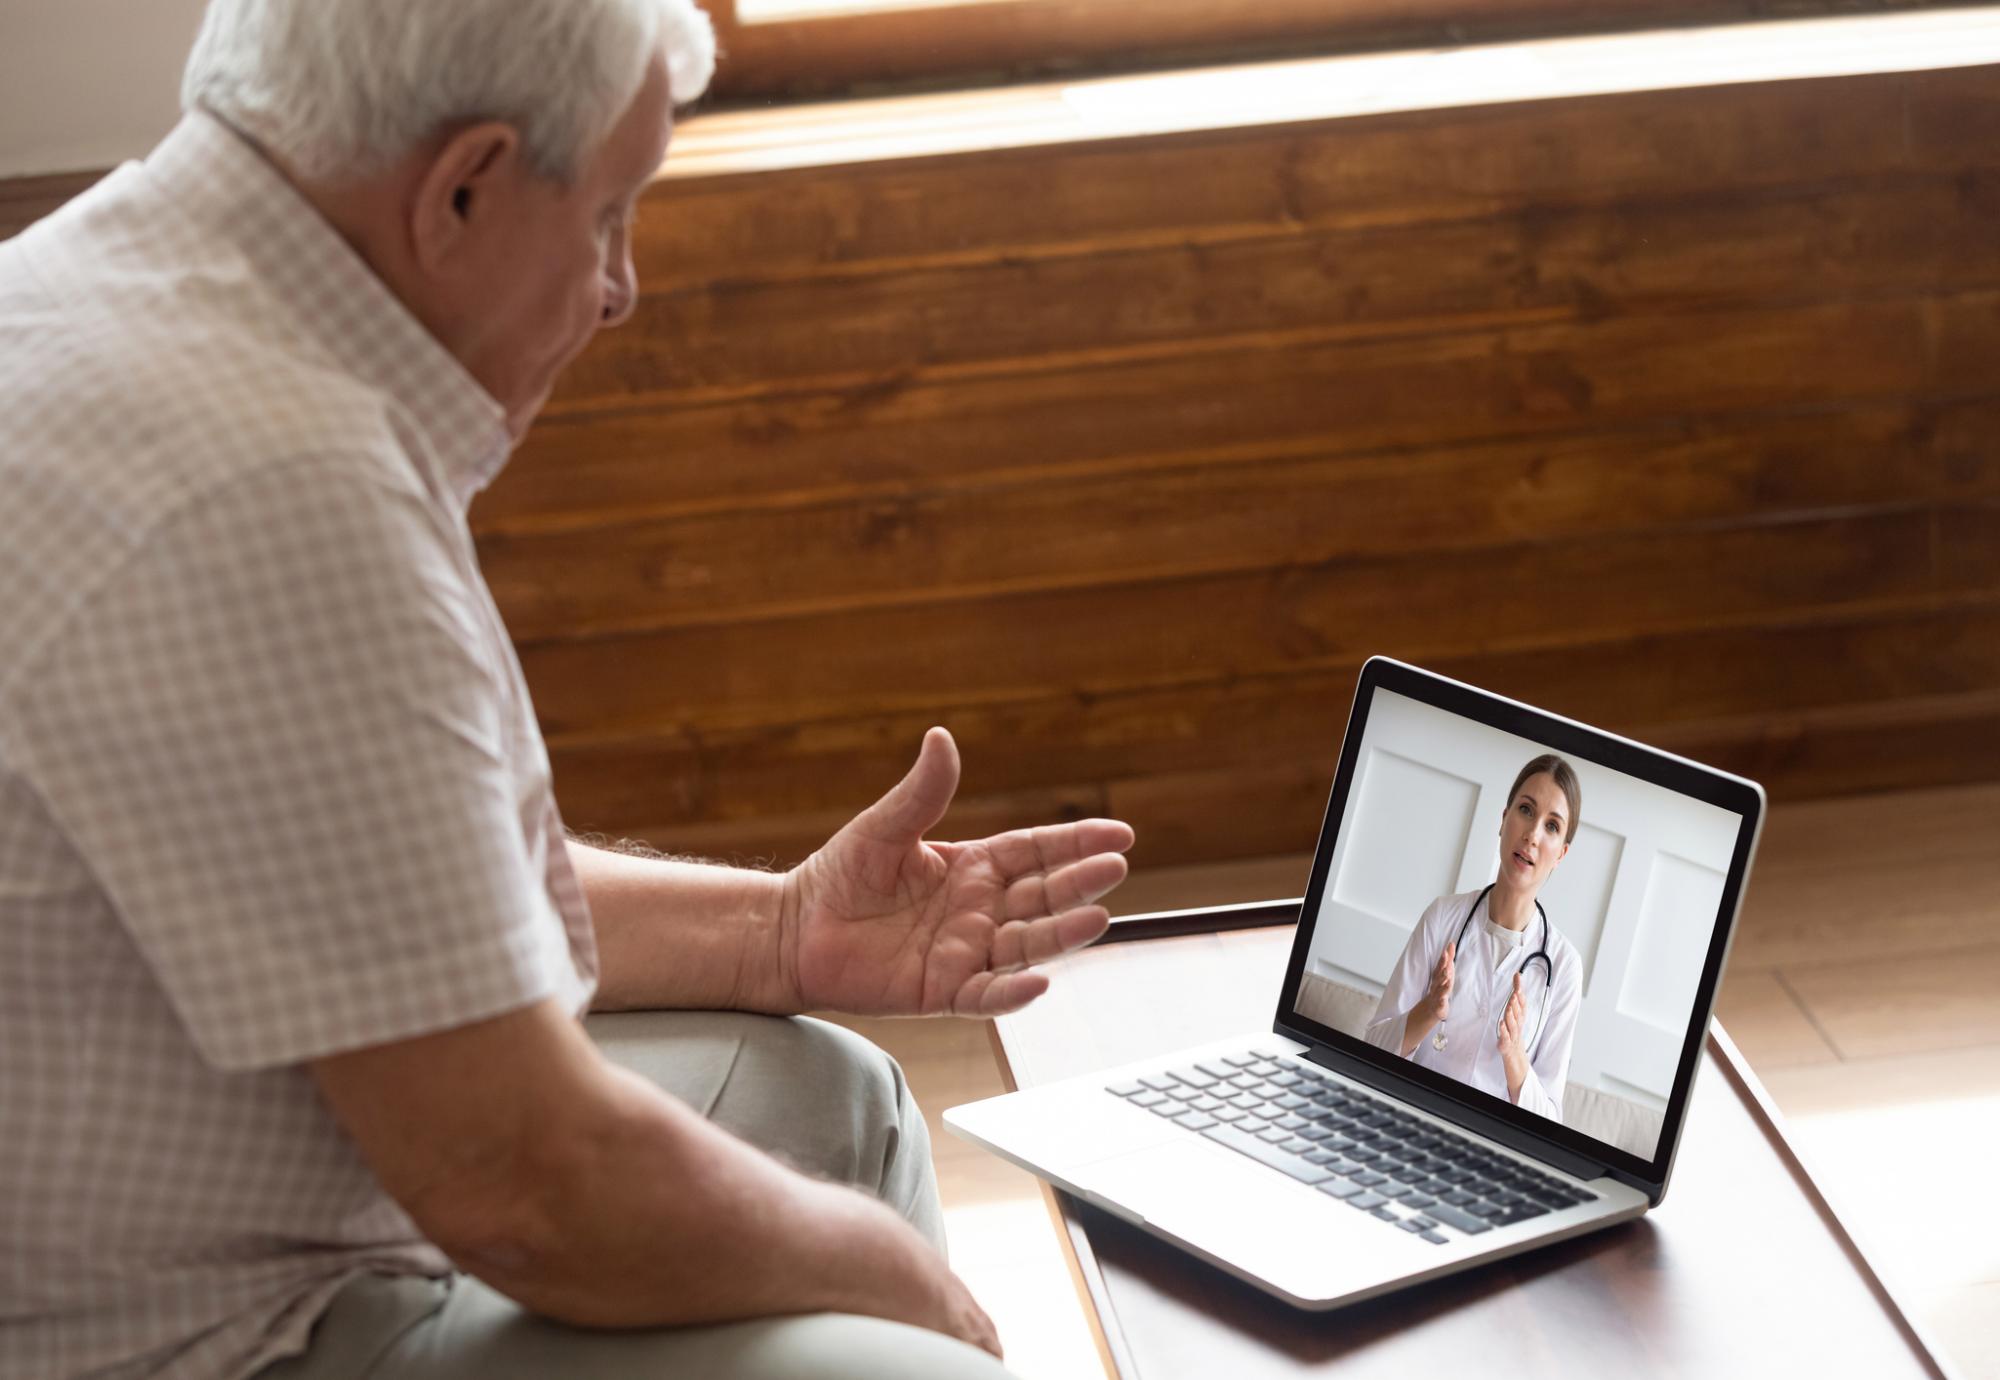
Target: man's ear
[465,181]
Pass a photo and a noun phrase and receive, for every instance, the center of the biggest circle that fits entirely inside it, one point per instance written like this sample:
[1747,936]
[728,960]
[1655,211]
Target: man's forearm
[678,935]
[657,1218]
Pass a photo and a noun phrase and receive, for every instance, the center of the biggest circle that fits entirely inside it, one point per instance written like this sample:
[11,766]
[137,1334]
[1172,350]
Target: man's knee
[815,1094]
[832,1101]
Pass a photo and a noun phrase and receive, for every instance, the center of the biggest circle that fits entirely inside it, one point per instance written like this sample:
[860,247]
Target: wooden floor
[1861,988]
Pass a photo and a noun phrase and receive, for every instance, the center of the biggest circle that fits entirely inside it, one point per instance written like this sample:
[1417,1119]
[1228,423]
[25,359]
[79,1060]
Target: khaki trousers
[815,1095]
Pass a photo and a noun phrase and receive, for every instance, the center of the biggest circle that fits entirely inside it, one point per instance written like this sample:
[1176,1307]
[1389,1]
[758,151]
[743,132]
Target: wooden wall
[1678,412]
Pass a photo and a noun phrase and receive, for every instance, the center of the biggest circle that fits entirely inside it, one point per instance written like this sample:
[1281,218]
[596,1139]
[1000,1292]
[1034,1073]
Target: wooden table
[1744,1270]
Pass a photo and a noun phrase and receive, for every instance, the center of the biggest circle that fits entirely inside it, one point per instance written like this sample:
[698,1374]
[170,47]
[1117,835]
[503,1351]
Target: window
[776,49]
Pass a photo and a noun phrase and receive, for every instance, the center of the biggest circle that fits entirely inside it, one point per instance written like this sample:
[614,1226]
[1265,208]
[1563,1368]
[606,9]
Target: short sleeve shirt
[271,787]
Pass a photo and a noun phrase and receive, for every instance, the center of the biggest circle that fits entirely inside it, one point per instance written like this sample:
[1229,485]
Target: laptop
[1392,1126]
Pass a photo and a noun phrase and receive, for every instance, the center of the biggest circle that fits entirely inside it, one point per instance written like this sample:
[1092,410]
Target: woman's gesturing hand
[1513,1021]
[1436,1004]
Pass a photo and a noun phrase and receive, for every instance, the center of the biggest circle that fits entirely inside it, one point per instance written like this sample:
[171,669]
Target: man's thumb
[915,804]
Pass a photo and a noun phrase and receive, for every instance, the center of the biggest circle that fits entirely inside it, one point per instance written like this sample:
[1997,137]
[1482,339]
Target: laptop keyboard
[1361,1149]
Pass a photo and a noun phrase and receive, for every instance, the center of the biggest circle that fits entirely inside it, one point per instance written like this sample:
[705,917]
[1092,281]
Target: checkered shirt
[271,787]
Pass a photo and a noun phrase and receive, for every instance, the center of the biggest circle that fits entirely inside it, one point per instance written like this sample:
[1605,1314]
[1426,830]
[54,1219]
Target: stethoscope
[1439,1040]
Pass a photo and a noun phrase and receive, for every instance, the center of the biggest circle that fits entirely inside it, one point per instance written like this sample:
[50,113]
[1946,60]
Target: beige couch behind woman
[1604,1116]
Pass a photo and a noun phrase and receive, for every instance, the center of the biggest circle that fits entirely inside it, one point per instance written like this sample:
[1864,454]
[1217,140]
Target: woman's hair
[349,86]
[1566,782]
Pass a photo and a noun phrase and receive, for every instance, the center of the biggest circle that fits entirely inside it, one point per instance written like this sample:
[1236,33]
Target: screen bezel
[1741,797]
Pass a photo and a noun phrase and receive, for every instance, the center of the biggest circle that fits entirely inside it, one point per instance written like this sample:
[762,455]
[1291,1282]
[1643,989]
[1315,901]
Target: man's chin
[522,416]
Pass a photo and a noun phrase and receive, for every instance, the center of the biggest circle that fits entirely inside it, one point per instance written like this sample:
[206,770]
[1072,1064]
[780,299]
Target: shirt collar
[214,175]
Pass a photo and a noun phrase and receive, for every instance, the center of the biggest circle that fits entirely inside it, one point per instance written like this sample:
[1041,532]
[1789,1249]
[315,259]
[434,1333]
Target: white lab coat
[1485,964]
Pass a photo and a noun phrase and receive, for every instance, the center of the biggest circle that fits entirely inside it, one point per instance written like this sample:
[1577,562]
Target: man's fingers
[1078,884]
[996,994]
[1022,943]
[1024,852]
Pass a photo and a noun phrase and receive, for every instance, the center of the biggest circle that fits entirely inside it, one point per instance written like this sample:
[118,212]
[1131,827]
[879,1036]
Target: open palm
[881,922]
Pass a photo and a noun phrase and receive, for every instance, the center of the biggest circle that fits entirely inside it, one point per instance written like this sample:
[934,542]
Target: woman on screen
[1487,990]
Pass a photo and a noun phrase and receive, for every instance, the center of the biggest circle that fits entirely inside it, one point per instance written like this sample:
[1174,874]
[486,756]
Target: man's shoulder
[137,373]
[156,365]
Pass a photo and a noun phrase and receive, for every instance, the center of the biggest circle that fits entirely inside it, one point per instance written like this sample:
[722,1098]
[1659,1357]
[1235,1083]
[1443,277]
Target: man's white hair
[347,87]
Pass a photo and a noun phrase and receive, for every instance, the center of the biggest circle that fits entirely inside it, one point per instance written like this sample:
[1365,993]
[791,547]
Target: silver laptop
[1488,1030]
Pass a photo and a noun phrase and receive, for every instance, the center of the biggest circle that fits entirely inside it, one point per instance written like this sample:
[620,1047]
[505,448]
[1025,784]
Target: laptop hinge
[1563,1158]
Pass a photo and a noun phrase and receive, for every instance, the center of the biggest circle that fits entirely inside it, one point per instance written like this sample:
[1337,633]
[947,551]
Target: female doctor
[1487,990]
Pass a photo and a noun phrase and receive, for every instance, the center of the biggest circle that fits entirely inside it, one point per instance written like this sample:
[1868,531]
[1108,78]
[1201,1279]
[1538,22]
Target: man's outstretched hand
[880,922]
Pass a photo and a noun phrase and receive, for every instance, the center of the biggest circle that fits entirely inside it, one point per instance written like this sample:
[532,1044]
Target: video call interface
[1524,921]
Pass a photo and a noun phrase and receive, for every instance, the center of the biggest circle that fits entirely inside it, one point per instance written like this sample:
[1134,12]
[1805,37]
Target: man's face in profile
[554,265]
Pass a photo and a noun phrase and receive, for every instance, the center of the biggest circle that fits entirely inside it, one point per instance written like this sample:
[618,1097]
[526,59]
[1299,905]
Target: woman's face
[1532,833]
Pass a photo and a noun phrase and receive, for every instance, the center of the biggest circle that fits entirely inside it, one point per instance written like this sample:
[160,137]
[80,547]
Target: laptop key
[1320,1156]
[1227,1113]
[1237,1061]
[1274,1134]
[1370,1178]
[1418,1200]
[1339,1187]
[1384,1213]
[1409,1224]
[1167,1107]
[1149,1099]
[1432,1237]
[1464,1221]
[1205,1103]
[1302,1170]
[1216,1069]
[1365,1201]
[1196,1121]
[1159,1082]
[1126,1089]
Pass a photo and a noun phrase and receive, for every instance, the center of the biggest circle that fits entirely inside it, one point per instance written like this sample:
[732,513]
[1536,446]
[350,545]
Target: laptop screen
[1523,907]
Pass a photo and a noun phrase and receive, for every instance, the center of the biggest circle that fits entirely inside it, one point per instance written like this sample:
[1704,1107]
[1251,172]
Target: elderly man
[293,948]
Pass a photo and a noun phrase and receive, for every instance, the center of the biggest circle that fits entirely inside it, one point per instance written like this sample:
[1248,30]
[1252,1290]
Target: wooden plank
[975,537]
[1568,362]
[785,841]
[1766,1020]
[1258,812]
[1737,678]
[1387,170]
[1890,236]
[1093,640]
[1909,1004]
[1334,394]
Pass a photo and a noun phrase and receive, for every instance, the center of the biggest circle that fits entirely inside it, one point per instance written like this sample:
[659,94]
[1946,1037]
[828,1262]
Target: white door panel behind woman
[1637,893]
